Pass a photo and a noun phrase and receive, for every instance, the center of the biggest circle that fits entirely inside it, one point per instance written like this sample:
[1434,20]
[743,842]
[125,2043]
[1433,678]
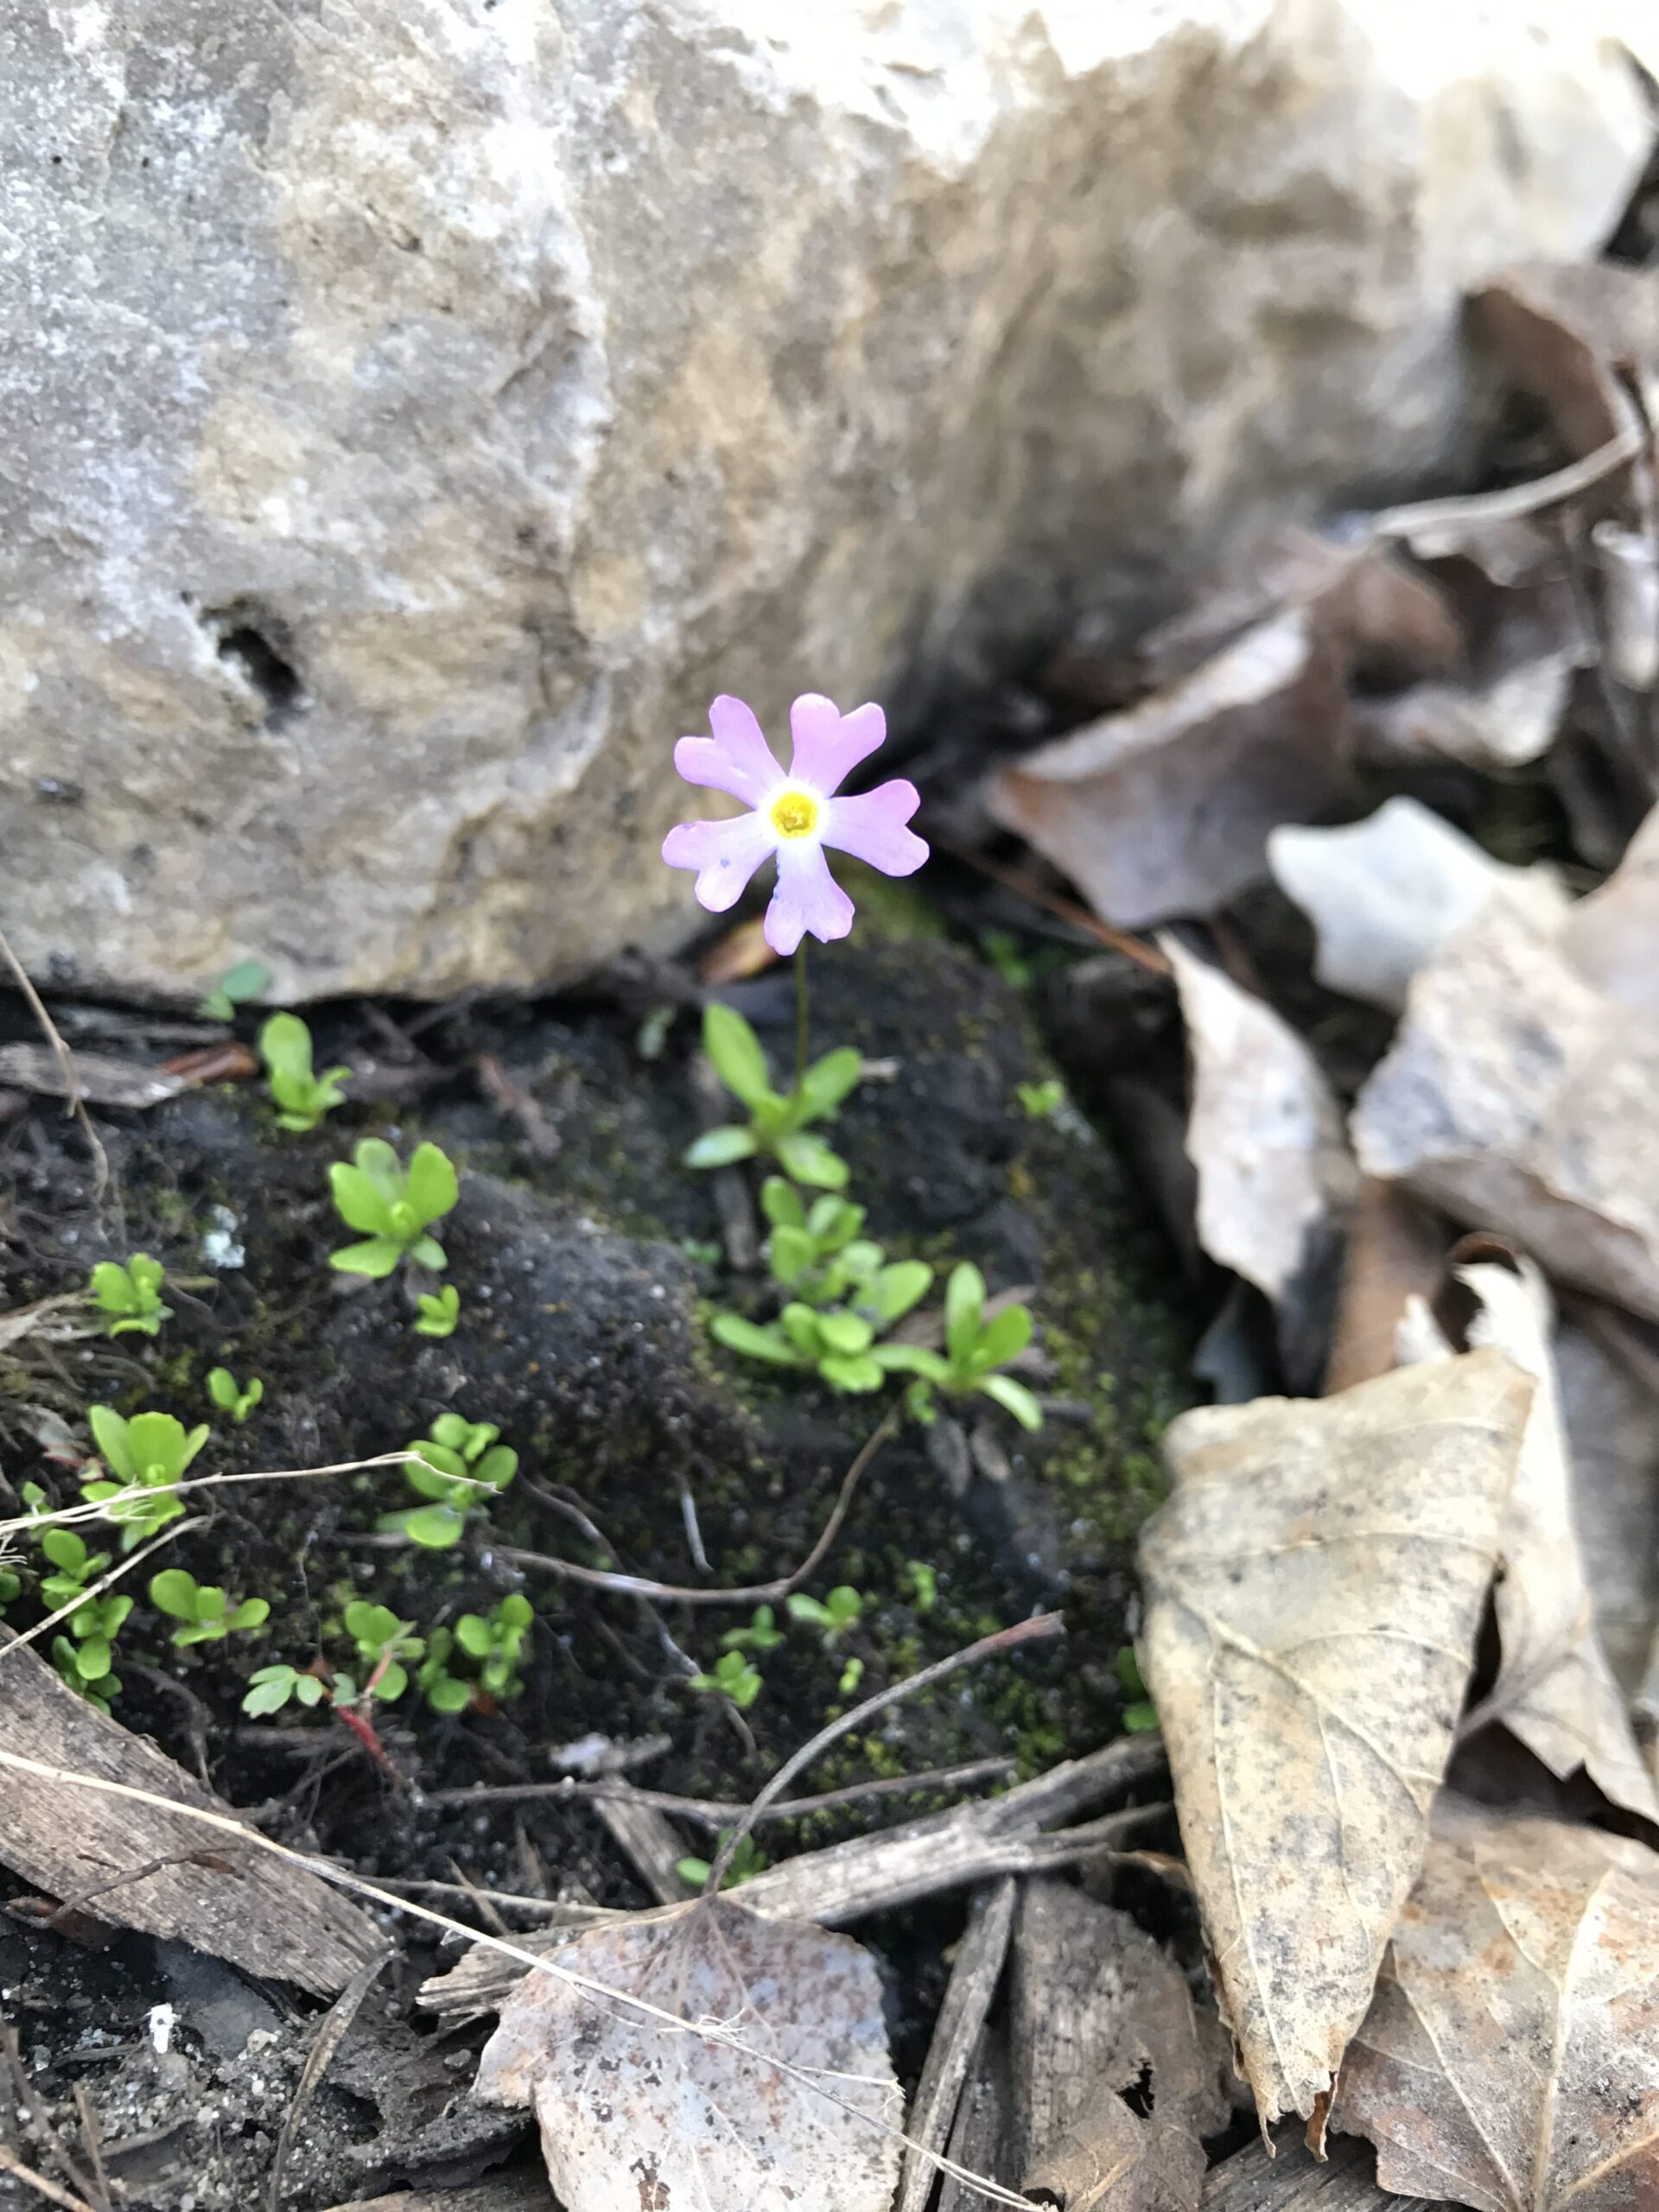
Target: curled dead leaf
[1265,1135]
[1314,1588]
[1510,2058]
[1554,1688]
[1384,894]
[638,2116]
[1164,808]
[1519,1098]
[1563,331]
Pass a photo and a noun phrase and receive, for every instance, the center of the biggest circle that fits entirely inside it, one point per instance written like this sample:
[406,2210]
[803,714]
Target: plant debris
[634,2113]
[1315,1585]
[1511,2056]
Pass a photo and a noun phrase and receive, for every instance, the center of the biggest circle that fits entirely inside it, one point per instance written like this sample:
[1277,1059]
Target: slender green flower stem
[802,1018]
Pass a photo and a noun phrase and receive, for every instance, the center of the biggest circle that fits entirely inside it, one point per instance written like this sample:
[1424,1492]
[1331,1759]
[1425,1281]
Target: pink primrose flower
[795,815]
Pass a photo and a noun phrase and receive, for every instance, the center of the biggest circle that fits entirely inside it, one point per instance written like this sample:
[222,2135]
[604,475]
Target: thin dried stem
[65,1059]
[710,1812]
[757,1593]
[1039,1629]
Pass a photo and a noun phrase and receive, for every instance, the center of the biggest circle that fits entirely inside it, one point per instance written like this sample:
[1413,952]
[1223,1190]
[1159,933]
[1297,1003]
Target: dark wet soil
[587,1258]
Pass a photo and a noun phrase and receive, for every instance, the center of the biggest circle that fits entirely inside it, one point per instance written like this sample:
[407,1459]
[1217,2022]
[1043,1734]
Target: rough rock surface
[416,409]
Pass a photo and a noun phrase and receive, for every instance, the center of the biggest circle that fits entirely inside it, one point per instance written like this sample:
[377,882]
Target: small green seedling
[1042,1099]
[924,1581]
[382,1643]
[11,1586]
[270,1688]
[466,1466]
[748,1860]
[761,1636]
[88,1667]
[131,1295]
[1140,1715]
[84,1656]
[443,1692]
[496,1639]
[975,1350]
[778,1127]
[816,1255]
[301,1096]
[851,1675]
[206,1613]
[247,980]
[842,1343]
[230,1397]
[394,1209]
[841,1611]
[438,1311]
[144,1458]
[732,1677]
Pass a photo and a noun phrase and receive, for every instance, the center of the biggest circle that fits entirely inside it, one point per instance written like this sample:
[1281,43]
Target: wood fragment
[327,2041]
[968,1997]
[1255,2180]
[648,1840]
[979,2141]
[267,1917]
[104,1079]
[1097,2009]
[942,1850]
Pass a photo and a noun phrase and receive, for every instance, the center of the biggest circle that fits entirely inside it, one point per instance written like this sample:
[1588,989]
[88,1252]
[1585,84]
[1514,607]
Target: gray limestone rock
[415,410]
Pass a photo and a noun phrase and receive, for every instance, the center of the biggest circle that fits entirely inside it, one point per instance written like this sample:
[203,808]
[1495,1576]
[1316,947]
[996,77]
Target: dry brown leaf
[1098,2008]
[1561,330]
[1612,938]
[1396,1249]
[1613,1426]
[1265,1134]
[1387,622]
[1511,2056]
[634,2114]
[1384,894]
[1164,808]
[1314,1587]
[1554,1688]
[1520,1099]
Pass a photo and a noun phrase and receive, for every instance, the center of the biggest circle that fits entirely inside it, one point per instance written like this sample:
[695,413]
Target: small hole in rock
[1138,2095]
[258,661]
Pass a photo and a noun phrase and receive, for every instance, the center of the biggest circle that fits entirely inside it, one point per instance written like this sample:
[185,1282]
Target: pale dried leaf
[634,2114]
[1511,2056]
[1554,1688]
[1314,1585]
[1520,1099]
[1164,808]
[1612,938]
[1613,1426]
[1384,894]
[1629,563]
[1503,721]
[1265,1134]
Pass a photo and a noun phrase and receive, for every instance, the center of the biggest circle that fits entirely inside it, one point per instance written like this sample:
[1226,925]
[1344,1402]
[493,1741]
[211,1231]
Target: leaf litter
[632,2118]
[1511,2057]
[1315,1585]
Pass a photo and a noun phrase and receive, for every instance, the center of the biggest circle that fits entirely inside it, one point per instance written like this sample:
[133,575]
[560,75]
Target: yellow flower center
[794,814]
